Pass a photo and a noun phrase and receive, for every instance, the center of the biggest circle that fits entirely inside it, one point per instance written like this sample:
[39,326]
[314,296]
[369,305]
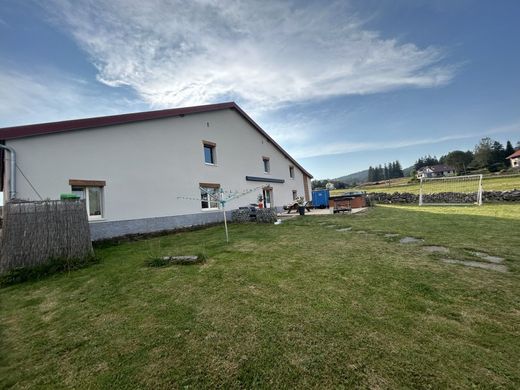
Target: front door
[268,197]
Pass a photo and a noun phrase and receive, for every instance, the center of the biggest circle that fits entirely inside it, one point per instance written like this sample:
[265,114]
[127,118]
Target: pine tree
[370,174]
[398,169]
[509,149]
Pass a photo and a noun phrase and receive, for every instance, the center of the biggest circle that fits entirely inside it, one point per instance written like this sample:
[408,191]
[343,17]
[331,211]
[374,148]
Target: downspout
[12,175]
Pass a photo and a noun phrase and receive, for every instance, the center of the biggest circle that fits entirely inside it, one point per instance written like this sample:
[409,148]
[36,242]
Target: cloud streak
[48,95]
[264,54]
[317,150]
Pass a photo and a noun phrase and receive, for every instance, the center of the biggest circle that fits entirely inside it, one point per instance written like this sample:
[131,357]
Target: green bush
[52,266]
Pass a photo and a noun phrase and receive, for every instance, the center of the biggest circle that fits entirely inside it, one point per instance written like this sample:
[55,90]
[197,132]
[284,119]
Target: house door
[267,193]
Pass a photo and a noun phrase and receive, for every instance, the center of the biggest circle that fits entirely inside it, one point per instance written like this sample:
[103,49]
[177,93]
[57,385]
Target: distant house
[439,170]
[515,159]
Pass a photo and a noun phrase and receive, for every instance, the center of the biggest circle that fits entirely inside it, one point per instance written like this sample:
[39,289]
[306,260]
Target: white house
[439,170]
[152,171]
[515,159]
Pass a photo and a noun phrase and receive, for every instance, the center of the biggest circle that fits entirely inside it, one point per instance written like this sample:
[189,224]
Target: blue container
[320,199]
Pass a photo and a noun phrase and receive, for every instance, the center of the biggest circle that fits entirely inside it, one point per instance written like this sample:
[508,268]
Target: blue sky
[340,85]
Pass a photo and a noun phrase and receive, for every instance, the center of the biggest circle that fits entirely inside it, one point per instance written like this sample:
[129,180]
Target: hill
[362,176]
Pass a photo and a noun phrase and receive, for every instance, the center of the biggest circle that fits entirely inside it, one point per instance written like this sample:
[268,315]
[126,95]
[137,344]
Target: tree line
[391,170]
[488,154]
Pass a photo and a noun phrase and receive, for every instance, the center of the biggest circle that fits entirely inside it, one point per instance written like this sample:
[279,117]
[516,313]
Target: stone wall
[258,215]
[445,197]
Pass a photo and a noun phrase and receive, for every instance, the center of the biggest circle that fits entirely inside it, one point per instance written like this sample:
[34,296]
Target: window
[93,197]
[294,194]
[291,172]
[209,152]
[209,196]
[267,166]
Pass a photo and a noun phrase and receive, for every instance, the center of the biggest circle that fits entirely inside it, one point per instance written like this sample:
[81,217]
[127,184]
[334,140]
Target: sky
[339,85]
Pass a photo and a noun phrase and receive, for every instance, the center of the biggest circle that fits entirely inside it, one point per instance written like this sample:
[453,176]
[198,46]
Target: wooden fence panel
[34,232]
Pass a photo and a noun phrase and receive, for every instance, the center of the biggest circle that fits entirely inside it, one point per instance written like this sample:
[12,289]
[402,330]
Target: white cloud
[265,54]
[47,95]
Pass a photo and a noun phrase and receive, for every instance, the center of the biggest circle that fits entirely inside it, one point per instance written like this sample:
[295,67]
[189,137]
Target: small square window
[209,195]
[291,172]
[267,166]
[209,153]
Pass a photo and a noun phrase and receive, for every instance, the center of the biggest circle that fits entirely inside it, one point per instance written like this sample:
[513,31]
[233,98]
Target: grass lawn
[499,183]
[288,306]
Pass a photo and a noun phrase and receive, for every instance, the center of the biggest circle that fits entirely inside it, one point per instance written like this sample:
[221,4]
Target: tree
[509,149]
[458,160]
[425,161]
[386,172]
[370,174]
[398,169]
[483,153]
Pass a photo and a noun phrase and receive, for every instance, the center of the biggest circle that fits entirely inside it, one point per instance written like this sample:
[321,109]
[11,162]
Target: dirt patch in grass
[347,229]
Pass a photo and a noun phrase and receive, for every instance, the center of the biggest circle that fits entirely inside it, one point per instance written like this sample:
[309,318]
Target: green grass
[288,306]
[499,183]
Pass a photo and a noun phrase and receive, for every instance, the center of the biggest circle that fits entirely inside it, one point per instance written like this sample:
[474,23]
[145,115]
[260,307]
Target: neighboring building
[515,159]
[435,171]
[152,171]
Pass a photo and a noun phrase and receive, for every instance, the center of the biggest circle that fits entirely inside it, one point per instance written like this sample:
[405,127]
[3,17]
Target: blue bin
[320,199]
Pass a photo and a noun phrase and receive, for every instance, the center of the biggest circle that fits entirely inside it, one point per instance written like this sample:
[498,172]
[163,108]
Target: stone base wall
[445,197]
[110,229]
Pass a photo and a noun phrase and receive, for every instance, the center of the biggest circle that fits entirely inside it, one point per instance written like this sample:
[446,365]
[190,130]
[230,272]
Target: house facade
[157,170]
[515,159]
[439,170]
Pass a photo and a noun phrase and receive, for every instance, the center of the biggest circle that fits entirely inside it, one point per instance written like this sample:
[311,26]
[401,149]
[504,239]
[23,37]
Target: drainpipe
[12,175]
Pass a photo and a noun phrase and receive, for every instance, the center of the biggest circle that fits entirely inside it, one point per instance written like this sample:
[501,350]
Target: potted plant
[301,205]
[260,201]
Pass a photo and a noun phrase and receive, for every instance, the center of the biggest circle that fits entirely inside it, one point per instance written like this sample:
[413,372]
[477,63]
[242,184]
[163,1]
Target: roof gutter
[12,175]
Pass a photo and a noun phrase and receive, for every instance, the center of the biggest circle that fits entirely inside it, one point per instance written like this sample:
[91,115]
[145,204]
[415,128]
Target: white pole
[480,191]
[224,211]
[420,193]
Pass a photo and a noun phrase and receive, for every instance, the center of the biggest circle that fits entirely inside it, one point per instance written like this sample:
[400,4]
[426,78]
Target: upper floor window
[291,172]
[209,152]
[267,165]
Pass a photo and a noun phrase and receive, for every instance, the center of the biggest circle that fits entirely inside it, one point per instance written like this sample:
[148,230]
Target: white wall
[148,164]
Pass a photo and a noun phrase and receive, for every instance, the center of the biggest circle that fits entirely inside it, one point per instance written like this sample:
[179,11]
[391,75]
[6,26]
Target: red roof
[515,154]
[14,132]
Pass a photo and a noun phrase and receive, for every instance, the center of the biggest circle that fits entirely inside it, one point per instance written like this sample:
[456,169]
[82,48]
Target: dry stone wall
[445,197]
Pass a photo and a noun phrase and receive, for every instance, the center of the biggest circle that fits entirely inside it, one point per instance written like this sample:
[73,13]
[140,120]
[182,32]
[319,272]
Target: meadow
[317,302]
[489,183]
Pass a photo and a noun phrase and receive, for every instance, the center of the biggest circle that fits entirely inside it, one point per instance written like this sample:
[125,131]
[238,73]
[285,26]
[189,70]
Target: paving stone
[477,264]
[435,249]
[410,240]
